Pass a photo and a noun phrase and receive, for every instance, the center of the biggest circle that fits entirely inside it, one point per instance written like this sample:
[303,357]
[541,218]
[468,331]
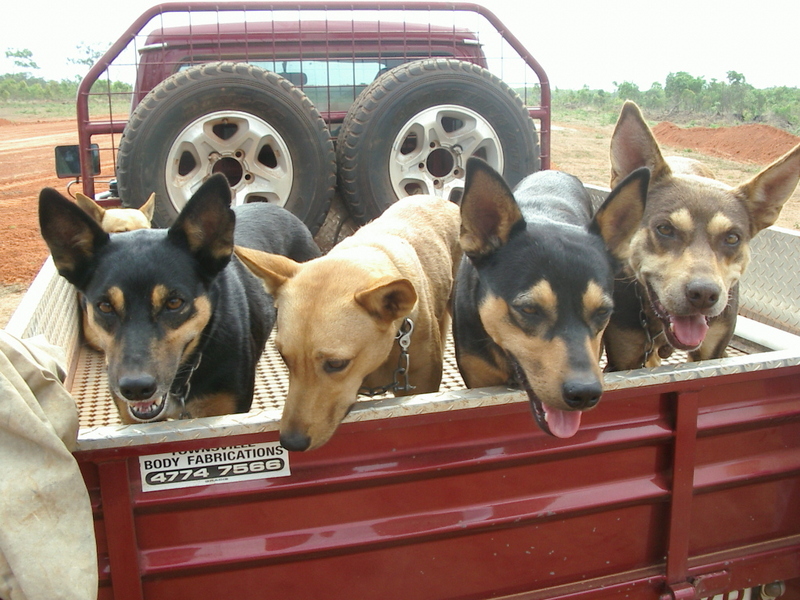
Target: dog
[112,220]
[117,220]
[535,288]
[679,290]
[182,323]
[375,305]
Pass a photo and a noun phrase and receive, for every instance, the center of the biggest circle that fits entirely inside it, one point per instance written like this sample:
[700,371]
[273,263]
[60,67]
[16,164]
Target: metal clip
[404,334]
[403,339]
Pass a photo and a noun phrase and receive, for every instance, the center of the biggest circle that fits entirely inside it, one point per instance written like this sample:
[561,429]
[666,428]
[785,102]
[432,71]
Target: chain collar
[651,343]
[403,339]
[179,390]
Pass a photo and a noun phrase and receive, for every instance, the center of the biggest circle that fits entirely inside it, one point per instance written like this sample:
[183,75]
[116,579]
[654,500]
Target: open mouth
[685,332]
[553,421]
[147,411]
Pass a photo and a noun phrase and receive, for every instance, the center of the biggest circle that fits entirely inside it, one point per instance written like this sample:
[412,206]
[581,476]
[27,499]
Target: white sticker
[208,466]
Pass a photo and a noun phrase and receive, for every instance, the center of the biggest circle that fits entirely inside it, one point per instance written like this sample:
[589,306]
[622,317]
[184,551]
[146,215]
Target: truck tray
[683,483]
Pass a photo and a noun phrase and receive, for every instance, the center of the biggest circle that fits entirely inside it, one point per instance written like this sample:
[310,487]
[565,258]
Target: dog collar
[403,339]
[179,390]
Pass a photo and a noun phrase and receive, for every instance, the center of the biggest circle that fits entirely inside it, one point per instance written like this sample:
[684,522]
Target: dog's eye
[666,230]
[531,310]
[732,239]
[173,303]
[602,313]
[335,365]
[105,307]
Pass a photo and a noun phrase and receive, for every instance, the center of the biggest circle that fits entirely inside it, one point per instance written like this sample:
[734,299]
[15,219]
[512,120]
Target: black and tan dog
[112,220]
[680,287]
[181,322]
[534,292]
[345,319]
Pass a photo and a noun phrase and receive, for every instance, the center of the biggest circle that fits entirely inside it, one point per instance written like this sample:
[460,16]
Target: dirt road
[27,165]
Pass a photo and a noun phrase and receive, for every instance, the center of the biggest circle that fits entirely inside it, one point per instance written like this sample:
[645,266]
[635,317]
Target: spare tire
[413,129]
[252,125]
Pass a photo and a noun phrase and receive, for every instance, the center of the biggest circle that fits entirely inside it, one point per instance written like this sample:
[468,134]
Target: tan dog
[339,315]
[690,251]
[117,220]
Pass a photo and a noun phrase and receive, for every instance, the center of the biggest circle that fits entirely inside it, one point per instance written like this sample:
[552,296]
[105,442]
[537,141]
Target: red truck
[684,483]
[290,108]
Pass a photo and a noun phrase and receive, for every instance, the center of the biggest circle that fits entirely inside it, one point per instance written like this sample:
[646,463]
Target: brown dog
[117,220]
[339,315]
[680,288]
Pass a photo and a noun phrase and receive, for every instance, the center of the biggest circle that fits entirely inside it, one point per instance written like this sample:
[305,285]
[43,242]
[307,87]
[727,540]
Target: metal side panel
[770,288]
[49,308]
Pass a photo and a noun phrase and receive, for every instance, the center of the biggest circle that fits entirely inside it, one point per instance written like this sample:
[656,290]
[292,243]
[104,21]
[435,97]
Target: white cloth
[47,544]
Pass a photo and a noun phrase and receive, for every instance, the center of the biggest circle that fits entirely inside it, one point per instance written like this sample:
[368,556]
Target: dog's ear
[388,299]
[633,146]
[488,210]
[766,193]
[73,237]
[273,269]
[92,208]
[148,207]
[621,214]
[205,225]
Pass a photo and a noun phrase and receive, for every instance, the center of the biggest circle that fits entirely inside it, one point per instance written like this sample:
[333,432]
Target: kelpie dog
[112,220]
[117,220]
[680,288]
[374,307]
[534,291]
[182,324]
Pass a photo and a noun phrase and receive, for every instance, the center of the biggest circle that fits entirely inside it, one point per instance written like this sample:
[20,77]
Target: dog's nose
[295,440]
[702,294]
[137,387]
[581,395]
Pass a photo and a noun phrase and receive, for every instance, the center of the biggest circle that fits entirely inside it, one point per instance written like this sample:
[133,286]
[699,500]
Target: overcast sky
[578,42]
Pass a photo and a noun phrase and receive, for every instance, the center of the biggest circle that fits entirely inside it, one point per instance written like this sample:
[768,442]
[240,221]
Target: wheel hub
[229,166]
[245,148]
[429,150]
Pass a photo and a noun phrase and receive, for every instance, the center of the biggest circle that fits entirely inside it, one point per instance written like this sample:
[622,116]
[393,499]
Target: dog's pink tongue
[562,423]
[690,331]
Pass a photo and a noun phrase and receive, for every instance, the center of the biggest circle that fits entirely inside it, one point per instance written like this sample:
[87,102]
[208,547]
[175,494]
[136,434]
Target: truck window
[331,85]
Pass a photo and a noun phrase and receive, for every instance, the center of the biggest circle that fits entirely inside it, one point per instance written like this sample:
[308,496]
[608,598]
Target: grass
[18,110]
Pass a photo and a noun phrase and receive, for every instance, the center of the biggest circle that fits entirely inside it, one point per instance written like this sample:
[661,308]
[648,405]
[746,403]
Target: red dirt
[757,144]
[26,166]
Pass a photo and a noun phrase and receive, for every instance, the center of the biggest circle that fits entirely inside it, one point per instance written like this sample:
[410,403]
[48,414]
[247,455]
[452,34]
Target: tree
[628,91]
[22,58]
[88,54]
[735,78]
[683,89]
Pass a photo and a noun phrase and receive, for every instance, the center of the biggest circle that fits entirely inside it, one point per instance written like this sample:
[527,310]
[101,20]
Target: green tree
[87,54]
[22,58]
[628,91]
[735,78]
[654,98]
[682,89]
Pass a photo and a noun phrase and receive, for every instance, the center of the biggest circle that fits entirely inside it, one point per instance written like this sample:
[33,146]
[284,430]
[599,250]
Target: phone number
[215,471]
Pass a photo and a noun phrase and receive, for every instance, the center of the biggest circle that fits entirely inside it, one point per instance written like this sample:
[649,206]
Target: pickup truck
[683,483]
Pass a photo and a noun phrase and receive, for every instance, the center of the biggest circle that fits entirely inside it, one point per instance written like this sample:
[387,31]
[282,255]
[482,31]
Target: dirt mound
[758,144]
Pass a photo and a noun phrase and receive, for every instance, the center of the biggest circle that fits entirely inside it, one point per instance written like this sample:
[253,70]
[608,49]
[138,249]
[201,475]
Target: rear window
[332,85]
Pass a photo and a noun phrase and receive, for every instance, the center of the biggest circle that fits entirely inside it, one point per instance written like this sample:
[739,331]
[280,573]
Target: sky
[579,43]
